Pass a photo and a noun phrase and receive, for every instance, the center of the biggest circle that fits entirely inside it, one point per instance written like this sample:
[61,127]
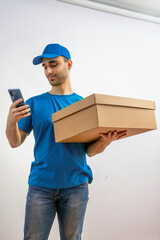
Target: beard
[56,81]
[58,78]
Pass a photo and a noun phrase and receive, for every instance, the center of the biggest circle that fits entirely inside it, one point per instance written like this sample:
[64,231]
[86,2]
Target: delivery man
[59,175]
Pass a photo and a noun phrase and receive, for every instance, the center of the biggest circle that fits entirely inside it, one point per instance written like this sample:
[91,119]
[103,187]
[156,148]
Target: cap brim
[38,60]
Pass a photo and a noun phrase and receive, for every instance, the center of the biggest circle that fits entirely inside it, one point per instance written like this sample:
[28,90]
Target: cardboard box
[97,113]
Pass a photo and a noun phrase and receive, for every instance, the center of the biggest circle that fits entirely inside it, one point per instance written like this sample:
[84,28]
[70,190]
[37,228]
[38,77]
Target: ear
[70,64]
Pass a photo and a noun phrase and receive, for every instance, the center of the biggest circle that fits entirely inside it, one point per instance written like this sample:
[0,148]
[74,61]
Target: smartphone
[16,94]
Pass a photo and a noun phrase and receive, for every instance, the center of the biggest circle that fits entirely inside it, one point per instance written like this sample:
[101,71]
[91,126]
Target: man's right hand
[16,136]
[17,113]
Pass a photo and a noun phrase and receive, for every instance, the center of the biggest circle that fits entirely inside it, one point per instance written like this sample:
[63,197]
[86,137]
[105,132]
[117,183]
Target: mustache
[51,75]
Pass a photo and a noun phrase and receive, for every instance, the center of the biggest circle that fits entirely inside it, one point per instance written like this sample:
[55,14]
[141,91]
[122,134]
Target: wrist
[12,123]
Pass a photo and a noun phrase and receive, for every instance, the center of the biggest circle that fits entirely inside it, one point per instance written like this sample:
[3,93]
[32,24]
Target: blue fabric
[43,204]
[56,165]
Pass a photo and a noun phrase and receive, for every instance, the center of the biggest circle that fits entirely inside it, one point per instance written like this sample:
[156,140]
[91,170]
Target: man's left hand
[107,138]
[103,141]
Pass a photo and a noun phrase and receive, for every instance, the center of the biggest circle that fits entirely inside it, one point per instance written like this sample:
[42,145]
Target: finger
[17,102]
[22,112]
[23,107]
[114,134]
[121,132]
[114,137]
[19,109]
[103,135]
[104,139]
[107,135]
[25,115]
[123,135]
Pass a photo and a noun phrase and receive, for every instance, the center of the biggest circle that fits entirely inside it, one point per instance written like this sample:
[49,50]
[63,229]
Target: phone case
[16,94]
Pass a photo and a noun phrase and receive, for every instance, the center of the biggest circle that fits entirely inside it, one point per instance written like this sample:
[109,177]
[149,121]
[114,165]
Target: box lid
[103,100]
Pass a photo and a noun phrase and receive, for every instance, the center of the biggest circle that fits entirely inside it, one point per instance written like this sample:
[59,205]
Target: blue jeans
[43,204]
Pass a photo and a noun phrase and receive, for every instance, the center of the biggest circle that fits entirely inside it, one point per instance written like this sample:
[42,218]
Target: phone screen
[16,94]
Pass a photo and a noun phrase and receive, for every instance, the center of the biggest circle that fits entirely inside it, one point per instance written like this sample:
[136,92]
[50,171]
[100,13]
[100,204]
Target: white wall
[112,55]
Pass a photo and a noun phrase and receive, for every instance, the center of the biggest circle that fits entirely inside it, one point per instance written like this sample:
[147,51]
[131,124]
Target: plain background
[112,55]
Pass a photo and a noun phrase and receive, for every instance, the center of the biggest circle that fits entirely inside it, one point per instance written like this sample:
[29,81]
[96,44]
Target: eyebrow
[52,61]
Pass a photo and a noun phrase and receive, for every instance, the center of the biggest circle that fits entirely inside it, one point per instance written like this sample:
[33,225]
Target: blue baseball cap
[51,51]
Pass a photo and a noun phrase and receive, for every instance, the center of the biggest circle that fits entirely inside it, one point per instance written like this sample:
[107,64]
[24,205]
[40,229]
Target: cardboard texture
[98,113]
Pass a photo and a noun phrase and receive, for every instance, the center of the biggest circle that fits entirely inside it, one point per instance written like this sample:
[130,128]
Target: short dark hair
[65,59]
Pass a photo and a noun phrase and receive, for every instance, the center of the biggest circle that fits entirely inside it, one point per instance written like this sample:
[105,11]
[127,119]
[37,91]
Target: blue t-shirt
[56,165]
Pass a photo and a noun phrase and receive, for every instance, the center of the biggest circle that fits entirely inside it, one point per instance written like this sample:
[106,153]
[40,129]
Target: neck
[63,89]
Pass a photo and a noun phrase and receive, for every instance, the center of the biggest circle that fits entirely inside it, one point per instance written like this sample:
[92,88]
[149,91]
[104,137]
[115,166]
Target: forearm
[96,147]
[13,134]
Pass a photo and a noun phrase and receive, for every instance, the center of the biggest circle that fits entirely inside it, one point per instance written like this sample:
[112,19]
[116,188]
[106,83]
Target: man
[59,177]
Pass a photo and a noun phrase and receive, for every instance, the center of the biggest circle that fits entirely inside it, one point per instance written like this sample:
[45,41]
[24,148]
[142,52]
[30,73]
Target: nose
[48,70]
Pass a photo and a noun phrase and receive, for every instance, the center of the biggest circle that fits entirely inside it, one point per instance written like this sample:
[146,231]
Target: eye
[44,66]
[53,65]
